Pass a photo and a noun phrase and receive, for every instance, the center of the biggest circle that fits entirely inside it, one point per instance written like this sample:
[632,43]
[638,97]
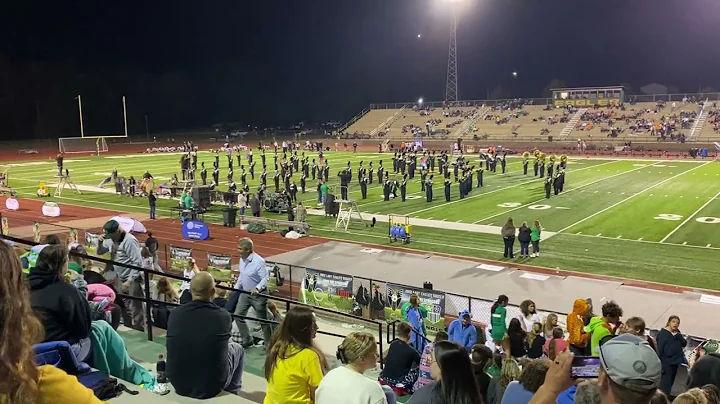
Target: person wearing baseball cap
[629,373]
[124,250]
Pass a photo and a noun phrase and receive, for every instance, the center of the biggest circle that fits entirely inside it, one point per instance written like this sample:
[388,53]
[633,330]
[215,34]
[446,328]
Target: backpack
[103,386]
[256,228]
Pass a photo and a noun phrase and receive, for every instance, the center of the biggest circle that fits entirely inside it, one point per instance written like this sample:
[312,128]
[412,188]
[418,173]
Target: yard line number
[674,217]
[518,204]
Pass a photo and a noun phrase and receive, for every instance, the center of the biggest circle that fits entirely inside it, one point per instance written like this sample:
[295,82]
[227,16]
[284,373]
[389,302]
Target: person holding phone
[628,371]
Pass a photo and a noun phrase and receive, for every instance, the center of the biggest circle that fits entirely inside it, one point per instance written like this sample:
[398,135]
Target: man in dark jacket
[201,360]
[63,311]
[255,206]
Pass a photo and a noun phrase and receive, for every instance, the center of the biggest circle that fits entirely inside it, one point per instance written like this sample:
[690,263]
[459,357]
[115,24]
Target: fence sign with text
[328,290]
[179,257]
[432,300]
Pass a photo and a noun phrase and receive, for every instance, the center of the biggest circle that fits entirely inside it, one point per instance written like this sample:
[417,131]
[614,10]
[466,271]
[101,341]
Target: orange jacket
[576,325]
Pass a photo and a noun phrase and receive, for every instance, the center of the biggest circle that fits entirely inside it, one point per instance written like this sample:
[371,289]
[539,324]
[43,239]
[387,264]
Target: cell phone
[585,367]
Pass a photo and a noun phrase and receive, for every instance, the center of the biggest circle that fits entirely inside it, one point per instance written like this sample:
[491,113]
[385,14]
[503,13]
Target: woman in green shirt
[497,320]
[535,238]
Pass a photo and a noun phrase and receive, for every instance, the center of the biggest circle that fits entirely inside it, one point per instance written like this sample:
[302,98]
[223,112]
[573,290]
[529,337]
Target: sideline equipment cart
[399,228]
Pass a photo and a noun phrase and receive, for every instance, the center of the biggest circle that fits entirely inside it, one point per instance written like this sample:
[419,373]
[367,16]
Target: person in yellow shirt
[21,380]
[294,367]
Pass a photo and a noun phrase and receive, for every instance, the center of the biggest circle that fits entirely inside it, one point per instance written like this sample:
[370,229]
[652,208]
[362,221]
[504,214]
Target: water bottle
[161,385]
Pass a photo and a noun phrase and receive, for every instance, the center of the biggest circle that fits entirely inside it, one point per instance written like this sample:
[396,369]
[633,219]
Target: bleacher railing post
[380,337]
[148,308]
[167,264]
[287,304]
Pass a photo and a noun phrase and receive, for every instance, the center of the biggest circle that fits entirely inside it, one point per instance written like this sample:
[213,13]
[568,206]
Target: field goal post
[87,144]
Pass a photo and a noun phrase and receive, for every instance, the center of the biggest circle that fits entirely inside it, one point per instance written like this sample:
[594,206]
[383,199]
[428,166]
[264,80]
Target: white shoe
[537,255]
[532,255]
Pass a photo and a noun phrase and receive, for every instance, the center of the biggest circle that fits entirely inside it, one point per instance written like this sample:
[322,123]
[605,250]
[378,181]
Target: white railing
[699,122]
[389,121]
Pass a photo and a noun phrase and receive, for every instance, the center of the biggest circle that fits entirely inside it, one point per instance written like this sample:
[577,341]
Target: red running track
[167,231]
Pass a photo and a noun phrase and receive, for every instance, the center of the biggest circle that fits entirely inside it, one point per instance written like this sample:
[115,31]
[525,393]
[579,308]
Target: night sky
[192,64]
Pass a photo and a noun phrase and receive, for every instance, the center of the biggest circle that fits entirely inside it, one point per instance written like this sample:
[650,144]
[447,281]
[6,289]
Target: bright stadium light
[420,101]
[514,74]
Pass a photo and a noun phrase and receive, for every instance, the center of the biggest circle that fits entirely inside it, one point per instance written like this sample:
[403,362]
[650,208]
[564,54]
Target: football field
[655,220]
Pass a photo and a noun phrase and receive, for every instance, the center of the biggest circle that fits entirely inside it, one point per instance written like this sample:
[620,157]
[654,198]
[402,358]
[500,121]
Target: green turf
[612,216]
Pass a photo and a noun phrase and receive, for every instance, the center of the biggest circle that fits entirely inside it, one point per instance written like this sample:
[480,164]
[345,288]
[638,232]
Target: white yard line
[689,217]
[535,179]
[640,240]
[631,196]
[565,192]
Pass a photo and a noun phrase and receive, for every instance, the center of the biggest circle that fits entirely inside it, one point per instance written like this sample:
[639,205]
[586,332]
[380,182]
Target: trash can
[229,216]
[428,285]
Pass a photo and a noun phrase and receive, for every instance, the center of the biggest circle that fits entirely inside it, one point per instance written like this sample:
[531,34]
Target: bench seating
[275,224]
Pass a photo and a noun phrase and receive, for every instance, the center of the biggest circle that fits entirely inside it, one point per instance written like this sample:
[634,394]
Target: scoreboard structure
[588,96]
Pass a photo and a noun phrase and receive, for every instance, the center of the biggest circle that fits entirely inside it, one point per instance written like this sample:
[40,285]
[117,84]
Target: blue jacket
[465,336]
[567,396]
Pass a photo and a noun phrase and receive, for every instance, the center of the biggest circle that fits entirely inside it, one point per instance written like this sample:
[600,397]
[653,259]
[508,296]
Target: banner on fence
[432,300]
[220,265]
[179,257]
[328,290]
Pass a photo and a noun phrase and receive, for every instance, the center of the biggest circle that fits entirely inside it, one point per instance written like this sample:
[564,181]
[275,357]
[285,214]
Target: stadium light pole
[82,129]
[451,86]
[125,115]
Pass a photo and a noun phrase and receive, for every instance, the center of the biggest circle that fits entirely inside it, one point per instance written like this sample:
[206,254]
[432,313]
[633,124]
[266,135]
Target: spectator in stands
[516,340]
[551,323]
[220,299]
[147,260]
[531,378]
[497,320]
[629,373]
[670,349]
[577,337]
[705,370]
[587,392]
[124,249]
[712,393]
[201,362]
[52,239]
[424,373]
[401,361]
[164,292]
[692,396]
[64,312]
[495,367]
[462,330]
[152,201]
[251,284]
[189,273]
[636,326]
[21,380]
[453,375]
[605,326]
[528,315]
[535,341]
[347,384]
[480,358]
[556,345]
[510,372]
[294,366]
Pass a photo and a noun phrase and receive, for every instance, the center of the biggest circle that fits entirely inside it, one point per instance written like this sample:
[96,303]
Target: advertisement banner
[219,265]
[195,230]
[432,300]
[328,290]
[179,257]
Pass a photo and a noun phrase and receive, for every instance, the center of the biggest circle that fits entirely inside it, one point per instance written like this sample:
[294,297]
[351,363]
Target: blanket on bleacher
[110,356]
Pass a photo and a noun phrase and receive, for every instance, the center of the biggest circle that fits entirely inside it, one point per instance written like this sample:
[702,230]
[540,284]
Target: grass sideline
[647,220]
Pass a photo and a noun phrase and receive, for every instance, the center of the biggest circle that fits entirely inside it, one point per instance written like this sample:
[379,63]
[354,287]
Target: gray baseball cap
[631,362]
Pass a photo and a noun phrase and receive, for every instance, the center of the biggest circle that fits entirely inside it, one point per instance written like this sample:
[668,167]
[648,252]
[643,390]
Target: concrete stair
[571,124]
